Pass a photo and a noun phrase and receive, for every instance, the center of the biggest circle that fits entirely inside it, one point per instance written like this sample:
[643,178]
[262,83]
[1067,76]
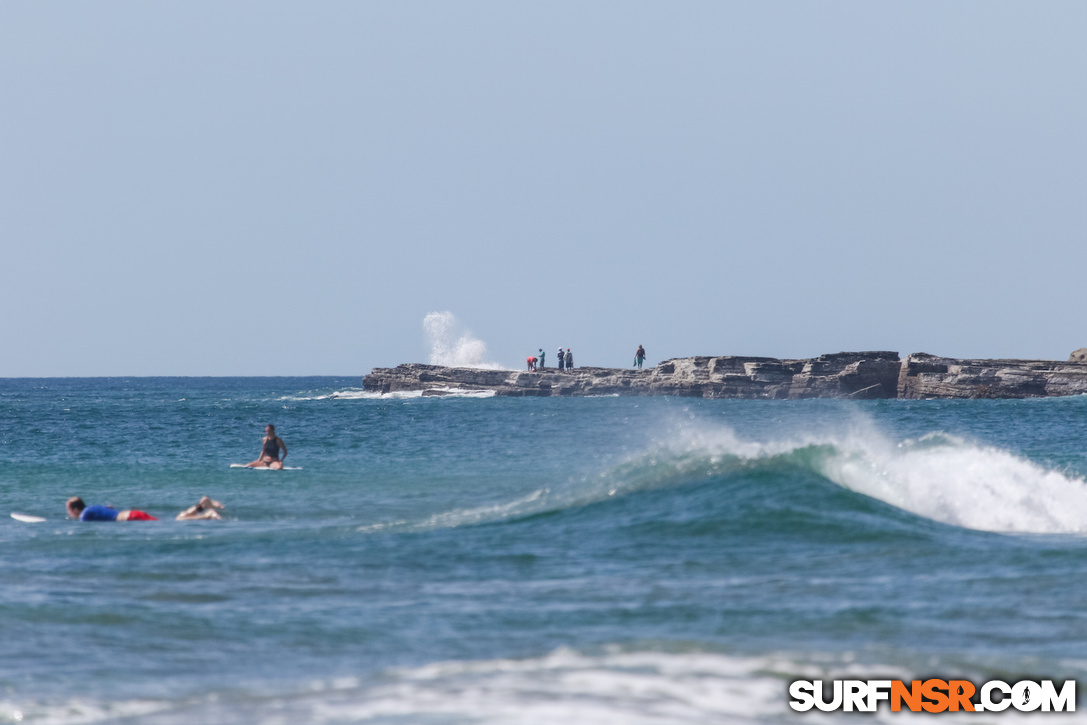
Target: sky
[289,188]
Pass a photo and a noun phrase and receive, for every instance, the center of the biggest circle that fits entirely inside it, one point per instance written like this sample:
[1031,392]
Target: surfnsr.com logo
[932,696]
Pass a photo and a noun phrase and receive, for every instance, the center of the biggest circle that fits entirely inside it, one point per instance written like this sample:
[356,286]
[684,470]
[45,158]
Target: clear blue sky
[273,188]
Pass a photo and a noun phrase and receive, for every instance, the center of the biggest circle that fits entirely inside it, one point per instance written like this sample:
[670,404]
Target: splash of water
[613,685]
[453,345]
[957,482]
[938,476]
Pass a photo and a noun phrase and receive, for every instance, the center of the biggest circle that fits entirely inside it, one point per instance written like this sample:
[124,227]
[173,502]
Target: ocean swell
[939,477]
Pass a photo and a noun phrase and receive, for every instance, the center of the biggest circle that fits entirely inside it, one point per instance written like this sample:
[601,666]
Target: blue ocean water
[464,559]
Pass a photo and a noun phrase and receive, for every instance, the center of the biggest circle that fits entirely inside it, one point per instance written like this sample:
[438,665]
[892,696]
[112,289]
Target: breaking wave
[358,394]
[616,684]
[939,477]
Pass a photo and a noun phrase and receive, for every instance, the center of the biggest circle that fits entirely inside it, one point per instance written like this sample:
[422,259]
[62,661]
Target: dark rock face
[929,376]
[844,375]
[855,375]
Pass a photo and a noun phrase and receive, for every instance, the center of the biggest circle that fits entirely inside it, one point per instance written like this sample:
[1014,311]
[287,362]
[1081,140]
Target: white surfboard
[27,518]
[285,468]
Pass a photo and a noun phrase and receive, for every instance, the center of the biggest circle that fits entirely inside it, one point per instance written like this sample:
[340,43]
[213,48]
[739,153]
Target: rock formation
[855,375]
[929,376]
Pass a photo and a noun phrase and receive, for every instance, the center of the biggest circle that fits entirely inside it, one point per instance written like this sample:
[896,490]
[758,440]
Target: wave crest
[956,482]
[938,476]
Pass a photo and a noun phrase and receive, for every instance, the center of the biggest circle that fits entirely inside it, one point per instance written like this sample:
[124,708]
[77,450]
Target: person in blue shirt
[82,512]
[205,508]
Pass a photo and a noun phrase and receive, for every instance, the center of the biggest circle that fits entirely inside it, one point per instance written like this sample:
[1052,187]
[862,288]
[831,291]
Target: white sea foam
[938,476]
[570,688]
[964,484]
[528,504]
[941,477]
[84,712]
[453,345]
[349,394]
[567,687]
[626,687]
[564,687]
[355,394]
[446,392]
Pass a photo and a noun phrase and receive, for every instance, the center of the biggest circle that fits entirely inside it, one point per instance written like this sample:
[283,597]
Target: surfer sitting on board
[205,508]
[270,447]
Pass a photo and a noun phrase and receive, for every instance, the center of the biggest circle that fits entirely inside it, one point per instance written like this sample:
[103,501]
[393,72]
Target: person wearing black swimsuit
[270,447]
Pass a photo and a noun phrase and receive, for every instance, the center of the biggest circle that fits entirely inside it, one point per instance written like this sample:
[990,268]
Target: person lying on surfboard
[270,447]
[205,508]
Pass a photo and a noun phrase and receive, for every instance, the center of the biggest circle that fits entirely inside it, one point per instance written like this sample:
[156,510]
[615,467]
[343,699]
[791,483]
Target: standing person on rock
[542,359]
[561,356]
[569,359]
[639,357]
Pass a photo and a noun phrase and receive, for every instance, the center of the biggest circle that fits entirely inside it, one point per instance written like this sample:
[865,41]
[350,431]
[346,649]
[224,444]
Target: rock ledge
[856,375]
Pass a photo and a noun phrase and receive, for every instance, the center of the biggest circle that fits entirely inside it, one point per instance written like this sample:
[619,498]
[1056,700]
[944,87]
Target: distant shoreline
[870,375]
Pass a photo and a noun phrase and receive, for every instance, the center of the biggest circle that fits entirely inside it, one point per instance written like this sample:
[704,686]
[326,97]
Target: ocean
[467,559]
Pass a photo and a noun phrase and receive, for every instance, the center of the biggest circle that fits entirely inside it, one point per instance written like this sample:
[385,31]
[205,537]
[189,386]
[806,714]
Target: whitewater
[491,560]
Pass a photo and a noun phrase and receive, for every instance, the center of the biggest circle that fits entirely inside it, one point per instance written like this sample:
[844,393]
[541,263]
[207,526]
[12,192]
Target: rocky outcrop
[844,375]
[929,376]
[854,375]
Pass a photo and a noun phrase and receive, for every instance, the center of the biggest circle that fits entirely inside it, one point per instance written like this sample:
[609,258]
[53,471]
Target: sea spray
[452,345]
[657,684]
[941,477]
[954,481]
